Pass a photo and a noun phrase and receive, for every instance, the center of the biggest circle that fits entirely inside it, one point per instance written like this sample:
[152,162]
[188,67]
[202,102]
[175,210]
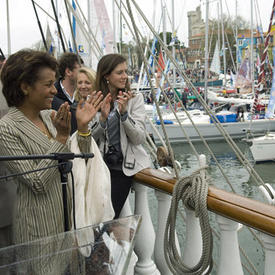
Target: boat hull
[263,148]
[209,131]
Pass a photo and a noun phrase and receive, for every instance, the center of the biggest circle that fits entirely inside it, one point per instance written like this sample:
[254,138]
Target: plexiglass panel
[102,249]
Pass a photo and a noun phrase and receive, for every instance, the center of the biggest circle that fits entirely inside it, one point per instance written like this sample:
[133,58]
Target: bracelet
[84,134]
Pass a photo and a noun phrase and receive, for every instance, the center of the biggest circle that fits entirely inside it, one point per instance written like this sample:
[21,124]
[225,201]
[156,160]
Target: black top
[59,99]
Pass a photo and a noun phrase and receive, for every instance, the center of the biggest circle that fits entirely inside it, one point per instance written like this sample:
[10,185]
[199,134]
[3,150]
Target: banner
[271,105]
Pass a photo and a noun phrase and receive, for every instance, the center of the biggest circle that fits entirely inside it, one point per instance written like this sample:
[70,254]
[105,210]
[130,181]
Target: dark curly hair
[23,67]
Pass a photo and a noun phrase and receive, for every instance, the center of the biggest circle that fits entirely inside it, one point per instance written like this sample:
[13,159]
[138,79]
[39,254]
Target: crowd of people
[51,104]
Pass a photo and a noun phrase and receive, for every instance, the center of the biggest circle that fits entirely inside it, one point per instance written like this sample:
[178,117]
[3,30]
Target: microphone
[56,156]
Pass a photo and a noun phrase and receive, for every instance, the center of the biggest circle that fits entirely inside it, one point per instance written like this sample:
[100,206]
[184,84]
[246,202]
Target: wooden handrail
[250,212]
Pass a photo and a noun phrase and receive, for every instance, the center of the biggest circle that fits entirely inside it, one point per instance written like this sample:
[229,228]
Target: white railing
[149,246]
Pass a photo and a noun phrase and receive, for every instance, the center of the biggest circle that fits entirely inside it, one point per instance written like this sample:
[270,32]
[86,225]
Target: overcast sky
[25,31]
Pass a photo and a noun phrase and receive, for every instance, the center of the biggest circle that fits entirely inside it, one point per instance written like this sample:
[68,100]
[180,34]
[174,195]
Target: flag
[150,61]
[271,105]
[161,64]
[103,45]
[49,40]
[70,46]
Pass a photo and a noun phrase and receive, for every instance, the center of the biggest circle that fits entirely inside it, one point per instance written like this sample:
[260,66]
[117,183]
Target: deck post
[164,202]
[193,242]
[145,239]
[229,261]
[269,245]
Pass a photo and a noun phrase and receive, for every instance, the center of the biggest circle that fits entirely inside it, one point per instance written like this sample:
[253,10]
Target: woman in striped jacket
[31,128]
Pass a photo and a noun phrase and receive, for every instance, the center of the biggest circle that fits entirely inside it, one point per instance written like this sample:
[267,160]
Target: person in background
[85,82]
[30,128]
[184,97]
[68,66]
[119,127]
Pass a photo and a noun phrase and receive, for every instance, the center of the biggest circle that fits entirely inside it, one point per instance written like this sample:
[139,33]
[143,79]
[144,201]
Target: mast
[8,28]
[114,28]
[89,26]
[72,31]
[236,34]
[206,55]
[252,47]
[223,45]
[120,28]
[1,53]
[40,28]
[164,25]
[173,45]
[58,27]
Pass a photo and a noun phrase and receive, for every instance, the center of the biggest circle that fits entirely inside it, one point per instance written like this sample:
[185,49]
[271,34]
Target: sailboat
[263,147]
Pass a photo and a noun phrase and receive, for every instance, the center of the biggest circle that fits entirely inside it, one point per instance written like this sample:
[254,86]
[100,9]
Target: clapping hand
[86,110]
[106,106]
[62,122]
[122,100]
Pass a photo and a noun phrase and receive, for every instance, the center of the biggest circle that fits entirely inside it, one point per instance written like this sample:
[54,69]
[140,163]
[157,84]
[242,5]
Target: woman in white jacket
[119,128]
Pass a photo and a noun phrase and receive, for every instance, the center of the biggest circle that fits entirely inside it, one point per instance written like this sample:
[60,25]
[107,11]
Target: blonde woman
[84,83]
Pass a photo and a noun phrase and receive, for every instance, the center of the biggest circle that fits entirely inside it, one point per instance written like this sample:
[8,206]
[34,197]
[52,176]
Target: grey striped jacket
[39,205]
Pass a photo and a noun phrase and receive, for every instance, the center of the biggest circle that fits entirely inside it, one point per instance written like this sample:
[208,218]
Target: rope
[192,191]
[153,92]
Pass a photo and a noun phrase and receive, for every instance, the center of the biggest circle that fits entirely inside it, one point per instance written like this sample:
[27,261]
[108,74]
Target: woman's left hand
[122,100]
[86,111]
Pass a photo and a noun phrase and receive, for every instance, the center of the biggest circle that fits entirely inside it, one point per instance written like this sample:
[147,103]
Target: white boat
[207,129]
[263,147]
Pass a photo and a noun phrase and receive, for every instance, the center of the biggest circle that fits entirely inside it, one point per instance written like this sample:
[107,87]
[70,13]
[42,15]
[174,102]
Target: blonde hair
[91,74]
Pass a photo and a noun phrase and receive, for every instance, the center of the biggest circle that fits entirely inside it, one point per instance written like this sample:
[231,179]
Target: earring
[25,92]
[107,81]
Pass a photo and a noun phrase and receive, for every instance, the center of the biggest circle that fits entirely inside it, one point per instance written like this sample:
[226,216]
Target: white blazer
[132,137]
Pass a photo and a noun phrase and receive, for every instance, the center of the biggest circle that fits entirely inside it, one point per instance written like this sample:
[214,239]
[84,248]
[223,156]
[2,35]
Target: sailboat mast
[223,45]
[252,46]
[236,34]
[8,28]
[120,28]
[89,26]
[72,32]
[173,37]
[58,27]
[40,28]
[164,25]
[206,51]
[114,28]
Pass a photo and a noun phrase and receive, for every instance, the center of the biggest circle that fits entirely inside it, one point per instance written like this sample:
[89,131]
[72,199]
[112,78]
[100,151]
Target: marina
[203,78]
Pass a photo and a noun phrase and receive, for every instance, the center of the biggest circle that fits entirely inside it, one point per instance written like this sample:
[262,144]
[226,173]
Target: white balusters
[193,241]
[164,201]
[145,239]
[229,258]
[269,245]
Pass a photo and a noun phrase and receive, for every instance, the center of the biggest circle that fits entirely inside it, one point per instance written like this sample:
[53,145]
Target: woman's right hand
[62,122]
[105,107]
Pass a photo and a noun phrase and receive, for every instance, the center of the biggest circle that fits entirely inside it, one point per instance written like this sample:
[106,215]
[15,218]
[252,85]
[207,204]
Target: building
[196,27]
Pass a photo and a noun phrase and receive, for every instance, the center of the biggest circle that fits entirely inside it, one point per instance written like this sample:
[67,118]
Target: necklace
[47,133]
[43,128]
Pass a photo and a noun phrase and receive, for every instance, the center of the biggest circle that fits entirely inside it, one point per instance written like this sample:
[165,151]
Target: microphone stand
[64,167]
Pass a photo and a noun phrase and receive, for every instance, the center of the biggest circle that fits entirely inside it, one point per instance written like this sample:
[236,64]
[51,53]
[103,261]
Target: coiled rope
[192,191]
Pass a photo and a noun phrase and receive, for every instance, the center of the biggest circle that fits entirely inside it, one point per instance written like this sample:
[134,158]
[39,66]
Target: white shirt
[67,94]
